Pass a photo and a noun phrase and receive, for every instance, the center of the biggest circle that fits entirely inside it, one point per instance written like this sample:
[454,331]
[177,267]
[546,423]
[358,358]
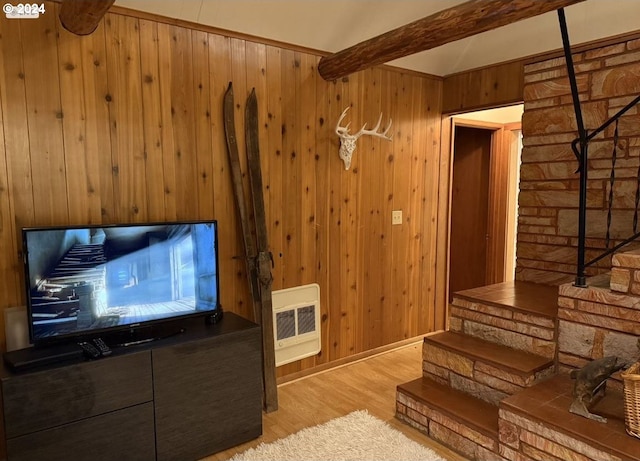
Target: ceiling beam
[83,16]
[461,21]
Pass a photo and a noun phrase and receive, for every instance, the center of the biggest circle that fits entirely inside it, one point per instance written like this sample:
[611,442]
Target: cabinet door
[43,399]
[207,395]
[121,435]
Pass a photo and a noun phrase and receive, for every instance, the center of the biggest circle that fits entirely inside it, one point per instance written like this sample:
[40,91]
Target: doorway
[479,190]
[469,236]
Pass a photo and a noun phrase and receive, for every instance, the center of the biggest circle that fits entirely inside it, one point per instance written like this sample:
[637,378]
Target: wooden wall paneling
[16,128]
[183,109]
[401,184]
[325,148]
[127,144]
[372,286]
[203,133]
[359,190]
[274,157]
[423,277]
[309,190]
[429,270]
[416,209]
[364,198]
[97,143]
[16,174]
[256,64]
[291,168]
[349,217]
[488,87]
[336,170]
[165,75]
[443,223]
[308,160]
[9,279]
[231,252]
[82,169]
[292,171]
[152,120]
[40,54]
[394,269]
[146,90]
[280,80]
[240,91]
[389,102]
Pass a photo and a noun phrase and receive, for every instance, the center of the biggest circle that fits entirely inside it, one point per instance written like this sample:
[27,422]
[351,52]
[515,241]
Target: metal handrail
[580,147]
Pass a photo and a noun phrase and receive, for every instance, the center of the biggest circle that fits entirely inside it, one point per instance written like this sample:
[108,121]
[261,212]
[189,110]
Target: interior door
[469,208]
[477,195]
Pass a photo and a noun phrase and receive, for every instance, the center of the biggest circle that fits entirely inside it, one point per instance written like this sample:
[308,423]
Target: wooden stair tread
[472,412]
[548,403]
[516,361]
[529,297]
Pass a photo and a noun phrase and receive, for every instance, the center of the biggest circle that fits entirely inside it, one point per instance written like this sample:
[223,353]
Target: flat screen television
[90,281]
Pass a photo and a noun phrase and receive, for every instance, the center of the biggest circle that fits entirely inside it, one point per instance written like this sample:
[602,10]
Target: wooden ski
[236,175]
[270,391]
[264,261]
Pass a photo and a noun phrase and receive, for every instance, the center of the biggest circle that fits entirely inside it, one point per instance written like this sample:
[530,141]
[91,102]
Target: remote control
[102,346]
[90,350]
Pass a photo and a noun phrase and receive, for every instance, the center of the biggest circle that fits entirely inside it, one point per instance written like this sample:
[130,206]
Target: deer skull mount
[348,141]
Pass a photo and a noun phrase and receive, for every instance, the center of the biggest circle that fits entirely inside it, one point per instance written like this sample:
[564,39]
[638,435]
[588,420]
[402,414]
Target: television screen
[95,279]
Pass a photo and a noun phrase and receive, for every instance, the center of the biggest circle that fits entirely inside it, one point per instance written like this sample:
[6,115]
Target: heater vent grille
[306,319]
[285,324]
[296,323]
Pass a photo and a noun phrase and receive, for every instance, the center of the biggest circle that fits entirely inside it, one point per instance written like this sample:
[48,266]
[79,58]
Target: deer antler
[348,141]
[374,131]
[343,130]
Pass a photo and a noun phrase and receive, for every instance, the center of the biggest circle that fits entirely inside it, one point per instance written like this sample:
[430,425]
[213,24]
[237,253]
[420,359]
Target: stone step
[537,422]
[486,370]
[521,315]
[453,418]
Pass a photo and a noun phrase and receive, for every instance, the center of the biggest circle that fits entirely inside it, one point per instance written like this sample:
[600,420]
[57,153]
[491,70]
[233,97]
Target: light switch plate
[396,217]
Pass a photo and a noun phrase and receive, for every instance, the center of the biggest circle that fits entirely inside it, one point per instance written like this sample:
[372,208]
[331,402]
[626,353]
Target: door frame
[503,171]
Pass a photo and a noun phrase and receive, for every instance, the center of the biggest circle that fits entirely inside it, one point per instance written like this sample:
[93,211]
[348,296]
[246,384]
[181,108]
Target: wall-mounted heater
[296,323]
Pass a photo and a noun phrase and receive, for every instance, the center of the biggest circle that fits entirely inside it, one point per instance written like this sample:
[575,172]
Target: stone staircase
[520,315]
[501,341]
[495,386]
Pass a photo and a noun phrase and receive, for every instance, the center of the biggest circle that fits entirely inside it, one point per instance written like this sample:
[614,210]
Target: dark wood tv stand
[180,398]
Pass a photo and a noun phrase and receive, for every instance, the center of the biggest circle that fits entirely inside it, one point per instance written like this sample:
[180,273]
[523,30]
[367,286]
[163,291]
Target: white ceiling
[332,25]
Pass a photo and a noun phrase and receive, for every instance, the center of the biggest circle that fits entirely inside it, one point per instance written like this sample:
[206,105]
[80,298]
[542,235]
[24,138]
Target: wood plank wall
[502,84]
[125,125]
[487,87]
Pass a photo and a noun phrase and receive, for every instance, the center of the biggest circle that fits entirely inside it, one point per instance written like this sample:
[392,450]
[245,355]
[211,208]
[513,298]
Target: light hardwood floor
[368,384]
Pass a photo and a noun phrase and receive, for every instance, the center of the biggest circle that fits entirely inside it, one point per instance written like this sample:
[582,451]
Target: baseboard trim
[296,376]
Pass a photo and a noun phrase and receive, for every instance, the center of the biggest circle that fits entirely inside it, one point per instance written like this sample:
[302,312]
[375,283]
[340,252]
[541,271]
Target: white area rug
[357,436]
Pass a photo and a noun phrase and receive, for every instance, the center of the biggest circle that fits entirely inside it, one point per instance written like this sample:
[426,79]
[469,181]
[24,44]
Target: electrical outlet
[396,217]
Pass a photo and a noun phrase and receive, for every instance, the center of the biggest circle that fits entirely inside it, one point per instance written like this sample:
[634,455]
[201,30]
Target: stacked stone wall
[608,78]
[596,322]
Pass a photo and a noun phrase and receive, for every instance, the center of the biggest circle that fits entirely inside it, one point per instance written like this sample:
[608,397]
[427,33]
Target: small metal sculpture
[348,141]
[590,386]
